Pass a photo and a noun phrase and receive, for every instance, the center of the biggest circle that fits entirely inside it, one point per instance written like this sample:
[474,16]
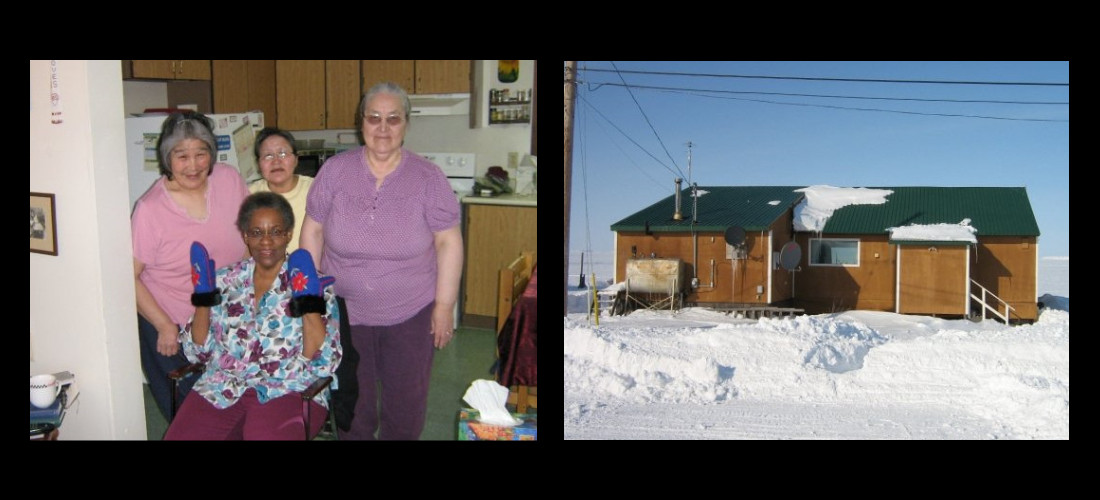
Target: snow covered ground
[697,374]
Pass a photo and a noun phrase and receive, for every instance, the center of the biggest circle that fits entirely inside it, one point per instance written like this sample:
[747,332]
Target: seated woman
[259,355]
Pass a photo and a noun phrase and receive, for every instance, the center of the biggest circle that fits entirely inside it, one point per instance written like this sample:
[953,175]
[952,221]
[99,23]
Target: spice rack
[508,106]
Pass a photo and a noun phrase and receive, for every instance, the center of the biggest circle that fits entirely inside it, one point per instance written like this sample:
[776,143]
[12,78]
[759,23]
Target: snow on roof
[962,231]
[820,202]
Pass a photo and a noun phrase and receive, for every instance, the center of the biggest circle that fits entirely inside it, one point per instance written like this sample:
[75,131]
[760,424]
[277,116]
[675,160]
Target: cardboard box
[469,429]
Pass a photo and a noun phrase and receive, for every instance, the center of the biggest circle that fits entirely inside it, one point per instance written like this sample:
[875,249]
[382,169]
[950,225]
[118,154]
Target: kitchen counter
[496,230]
[504,199]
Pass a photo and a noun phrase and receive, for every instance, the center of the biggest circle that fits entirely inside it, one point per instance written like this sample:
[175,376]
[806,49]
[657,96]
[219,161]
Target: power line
[823,79]
[648,122]
[955,115]
[600,84]
[594,108]
[628,157]
[765,101]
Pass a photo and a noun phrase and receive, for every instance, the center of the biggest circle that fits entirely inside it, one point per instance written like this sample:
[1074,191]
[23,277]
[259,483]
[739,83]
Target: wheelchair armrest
[316,387]
[183,372]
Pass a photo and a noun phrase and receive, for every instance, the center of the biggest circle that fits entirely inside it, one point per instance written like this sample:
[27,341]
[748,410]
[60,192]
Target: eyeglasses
[275,234]
[391,120]
[271,156]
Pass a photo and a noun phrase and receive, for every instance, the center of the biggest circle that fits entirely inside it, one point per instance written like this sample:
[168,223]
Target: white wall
[83,316]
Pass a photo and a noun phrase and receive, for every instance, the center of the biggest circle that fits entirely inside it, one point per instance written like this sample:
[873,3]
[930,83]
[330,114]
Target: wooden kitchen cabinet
[341,93]
[442,77]
[420,77]
[316,95]
[300,94]
[242,86]
[193,70]
[495,235]
[170,70]
[399,72]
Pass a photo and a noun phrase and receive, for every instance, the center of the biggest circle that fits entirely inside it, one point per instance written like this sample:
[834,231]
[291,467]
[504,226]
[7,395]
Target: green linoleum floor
[468,358]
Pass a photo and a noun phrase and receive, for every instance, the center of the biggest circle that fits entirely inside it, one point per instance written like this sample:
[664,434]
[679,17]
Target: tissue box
[469,429]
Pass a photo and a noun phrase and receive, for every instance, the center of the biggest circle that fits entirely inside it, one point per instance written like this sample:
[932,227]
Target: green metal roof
[720,208]
[993,211]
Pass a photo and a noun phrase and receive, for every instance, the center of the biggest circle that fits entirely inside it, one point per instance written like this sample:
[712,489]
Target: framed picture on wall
[43,224]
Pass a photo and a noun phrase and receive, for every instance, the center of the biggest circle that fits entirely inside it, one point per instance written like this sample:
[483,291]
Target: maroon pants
[282,418]
[396,362]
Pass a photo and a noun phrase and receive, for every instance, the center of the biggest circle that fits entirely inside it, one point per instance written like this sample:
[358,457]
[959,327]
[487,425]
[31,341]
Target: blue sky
[746,142]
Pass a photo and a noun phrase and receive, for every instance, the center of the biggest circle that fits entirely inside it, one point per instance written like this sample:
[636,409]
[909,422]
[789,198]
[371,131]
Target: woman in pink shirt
[194,200]
[385,223]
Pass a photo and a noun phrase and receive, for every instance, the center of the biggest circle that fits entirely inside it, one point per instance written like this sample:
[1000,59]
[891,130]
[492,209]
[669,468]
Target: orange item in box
[470,429]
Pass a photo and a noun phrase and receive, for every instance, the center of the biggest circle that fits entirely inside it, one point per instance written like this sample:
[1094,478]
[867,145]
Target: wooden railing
[985,304]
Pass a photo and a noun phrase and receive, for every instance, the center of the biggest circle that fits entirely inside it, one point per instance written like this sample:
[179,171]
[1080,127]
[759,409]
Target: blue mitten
[202,276]
[307,289]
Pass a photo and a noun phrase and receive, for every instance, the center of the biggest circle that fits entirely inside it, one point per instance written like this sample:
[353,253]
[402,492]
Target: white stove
[459,169]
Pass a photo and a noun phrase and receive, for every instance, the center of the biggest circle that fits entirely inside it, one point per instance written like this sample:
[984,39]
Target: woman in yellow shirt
[278,158]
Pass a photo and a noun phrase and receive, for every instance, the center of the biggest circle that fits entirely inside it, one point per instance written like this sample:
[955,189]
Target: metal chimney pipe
[677,215]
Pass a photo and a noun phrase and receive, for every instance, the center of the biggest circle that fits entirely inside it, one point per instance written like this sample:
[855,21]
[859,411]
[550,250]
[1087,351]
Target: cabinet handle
[181,67]
[173,67]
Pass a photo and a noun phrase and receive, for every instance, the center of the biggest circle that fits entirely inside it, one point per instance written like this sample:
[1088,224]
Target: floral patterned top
[260,348]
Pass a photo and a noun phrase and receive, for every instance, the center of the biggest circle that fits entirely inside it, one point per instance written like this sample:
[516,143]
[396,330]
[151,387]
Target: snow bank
[820,202]
[599,365]
[859,374]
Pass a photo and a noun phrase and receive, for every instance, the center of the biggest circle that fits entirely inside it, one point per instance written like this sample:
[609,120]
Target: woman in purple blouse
[385,222]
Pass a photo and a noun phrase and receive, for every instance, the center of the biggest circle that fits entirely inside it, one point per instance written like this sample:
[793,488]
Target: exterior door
[933,279]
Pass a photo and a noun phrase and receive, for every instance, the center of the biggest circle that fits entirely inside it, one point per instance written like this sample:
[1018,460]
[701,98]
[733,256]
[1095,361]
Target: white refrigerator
[235,134]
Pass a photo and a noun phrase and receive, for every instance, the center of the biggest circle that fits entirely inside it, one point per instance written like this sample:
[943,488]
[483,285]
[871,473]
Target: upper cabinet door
[399,72]
[261,90]
[230,86]
[241,86]
[341,93]
[193,70]
[171,70]
[154,69]
[300,92]
[442,77]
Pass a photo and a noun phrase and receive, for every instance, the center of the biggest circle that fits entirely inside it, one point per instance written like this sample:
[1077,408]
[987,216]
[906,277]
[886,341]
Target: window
[829,252]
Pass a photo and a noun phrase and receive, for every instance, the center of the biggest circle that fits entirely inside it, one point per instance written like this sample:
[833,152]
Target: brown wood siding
[745,276]
[1006,266]
[782,279]
[933,279]
[823,289]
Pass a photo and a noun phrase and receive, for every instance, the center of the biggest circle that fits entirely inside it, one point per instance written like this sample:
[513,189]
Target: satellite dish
[790,256]
[735,235]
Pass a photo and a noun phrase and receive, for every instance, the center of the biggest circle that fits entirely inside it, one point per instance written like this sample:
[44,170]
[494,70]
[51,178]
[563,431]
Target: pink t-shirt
[379,243]
[163,232]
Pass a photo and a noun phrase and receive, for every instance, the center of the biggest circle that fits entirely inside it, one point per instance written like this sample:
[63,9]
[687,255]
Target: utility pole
[570,96]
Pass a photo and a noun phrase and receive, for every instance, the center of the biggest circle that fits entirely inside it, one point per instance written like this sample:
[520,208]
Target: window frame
[813,253]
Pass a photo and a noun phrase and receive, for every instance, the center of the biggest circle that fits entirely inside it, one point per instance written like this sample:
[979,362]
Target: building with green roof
[941,251]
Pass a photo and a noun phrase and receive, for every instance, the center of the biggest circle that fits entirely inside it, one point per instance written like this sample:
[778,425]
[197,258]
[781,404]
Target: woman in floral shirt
[258,357]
